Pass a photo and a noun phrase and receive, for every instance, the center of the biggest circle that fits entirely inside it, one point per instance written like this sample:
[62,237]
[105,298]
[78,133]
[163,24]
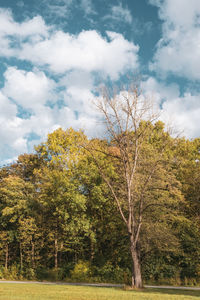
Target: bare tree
[136,145]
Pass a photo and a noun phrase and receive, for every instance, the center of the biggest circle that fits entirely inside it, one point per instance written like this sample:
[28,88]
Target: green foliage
[58,219]
[111,273]
[82,271]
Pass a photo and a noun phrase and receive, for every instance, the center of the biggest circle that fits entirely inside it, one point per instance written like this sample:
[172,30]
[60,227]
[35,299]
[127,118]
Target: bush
[29,274]
[2,273]
[110,273]
[41,273]
[81,271]
[12,273]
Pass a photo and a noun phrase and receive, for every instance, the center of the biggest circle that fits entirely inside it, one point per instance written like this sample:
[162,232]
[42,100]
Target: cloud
[34,42]
[178,51]
[31,91]
[12,34]
[159,91]
[31,103]
[119,13]
[61,10]
[87,7]
[182,112]
[87,51]
[57,8]
[9,27]
[28,89]
[7,108]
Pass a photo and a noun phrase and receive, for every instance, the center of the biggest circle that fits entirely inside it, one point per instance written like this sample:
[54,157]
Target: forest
[124,208]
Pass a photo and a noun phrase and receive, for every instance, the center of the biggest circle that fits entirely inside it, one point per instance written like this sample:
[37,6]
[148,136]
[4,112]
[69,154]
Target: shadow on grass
[172,292]
[160,291]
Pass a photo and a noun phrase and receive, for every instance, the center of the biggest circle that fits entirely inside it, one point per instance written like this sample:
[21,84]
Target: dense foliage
[58,219]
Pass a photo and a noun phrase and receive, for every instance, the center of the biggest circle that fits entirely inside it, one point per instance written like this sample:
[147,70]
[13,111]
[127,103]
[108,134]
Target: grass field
[21,291]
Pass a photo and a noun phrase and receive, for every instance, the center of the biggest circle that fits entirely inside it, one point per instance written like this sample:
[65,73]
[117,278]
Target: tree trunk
[136,270]
[6,259]
[21,257]
[33,254]
[91,251]
[56,253]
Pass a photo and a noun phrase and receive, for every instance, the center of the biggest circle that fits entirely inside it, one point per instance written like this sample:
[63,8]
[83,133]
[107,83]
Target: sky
[55,54]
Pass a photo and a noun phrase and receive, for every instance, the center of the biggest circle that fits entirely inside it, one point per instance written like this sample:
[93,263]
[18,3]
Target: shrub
[110,273]
[12,273]
[29,274]
[81,271]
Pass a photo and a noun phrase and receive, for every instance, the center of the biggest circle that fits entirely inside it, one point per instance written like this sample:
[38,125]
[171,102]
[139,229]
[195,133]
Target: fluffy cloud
[8,26]
[7,108]
[87,51]
[182,112]
[178,51]
[33,41]
[13,33]
[28,89]
[32,91]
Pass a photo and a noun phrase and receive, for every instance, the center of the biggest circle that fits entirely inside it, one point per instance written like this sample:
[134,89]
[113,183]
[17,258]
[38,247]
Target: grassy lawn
[21,291]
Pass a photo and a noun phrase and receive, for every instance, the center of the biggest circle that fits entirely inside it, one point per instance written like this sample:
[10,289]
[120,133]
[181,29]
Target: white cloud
[13,33]
[8,26]
[120,14]
[68,118]
[87,7]
[33,41]
[87,51]
[178,51]
[20,145]
[159,90]
[10,125]
[76,57]
[28,89]
[62,9]
[11,135]
[182,112]
[57,8]
[7,108]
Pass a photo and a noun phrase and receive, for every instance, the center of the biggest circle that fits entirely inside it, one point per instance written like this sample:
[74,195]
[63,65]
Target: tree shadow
[169,291]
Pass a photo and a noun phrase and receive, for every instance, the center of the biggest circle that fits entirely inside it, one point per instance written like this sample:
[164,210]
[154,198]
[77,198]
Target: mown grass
[21,291]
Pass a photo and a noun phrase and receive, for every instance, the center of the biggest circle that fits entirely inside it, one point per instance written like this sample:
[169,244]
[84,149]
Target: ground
[14,291]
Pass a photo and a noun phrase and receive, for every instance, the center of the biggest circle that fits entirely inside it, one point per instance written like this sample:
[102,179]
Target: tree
[137,171]
[188,172]
[16,198]
[60,193]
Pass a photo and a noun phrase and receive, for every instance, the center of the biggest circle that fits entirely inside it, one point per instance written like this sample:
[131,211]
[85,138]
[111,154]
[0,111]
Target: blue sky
[55,54]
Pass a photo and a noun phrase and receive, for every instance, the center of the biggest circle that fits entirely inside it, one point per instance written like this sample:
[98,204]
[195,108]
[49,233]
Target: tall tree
[60,192]
[139,174]
[16,198]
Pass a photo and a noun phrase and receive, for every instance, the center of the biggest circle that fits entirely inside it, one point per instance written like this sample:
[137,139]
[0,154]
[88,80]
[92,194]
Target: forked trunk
[136,270]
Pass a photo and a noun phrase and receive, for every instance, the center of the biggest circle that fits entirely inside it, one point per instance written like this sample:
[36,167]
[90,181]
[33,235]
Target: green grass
[21,291]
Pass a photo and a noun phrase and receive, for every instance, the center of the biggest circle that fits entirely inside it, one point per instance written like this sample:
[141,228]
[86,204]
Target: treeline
[58,218]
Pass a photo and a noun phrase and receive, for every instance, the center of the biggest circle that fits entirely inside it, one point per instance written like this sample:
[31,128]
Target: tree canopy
[122,208]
